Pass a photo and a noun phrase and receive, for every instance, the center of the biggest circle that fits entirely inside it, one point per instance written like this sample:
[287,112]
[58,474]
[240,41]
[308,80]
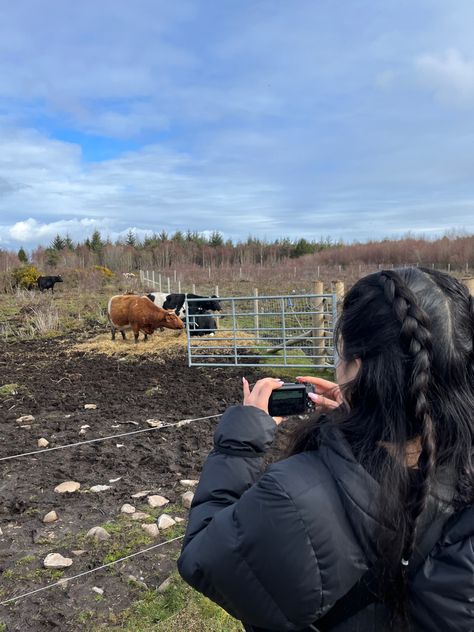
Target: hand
[328,394]
[260,394]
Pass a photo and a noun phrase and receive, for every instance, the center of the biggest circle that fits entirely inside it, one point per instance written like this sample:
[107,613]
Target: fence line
[64,580]
[98,439]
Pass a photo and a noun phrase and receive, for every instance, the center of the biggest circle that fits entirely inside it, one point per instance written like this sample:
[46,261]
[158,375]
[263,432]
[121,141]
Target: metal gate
[293,330]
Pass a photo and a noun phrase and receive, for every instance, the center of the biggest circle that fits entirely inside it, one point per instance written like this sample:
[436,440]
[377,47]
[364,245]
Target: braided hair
[412,329]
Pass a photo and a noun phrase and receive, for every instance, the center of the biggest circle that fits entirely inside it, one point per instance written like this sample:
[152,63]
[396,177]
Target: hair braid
[415,338]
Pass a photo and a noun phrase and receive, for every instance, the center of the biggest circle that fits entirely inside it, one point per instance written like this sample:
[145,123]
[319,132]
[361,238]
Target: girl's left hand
[260,394]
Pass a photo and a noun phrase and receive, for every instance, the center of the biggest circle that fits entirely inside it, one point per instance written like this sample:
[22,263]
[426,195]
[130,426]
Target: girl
[368,525]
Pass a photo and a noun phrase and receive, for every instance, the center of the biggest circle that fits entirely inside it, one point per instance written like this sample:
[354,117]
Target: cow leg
[124,337]
[112,329]
[145,337]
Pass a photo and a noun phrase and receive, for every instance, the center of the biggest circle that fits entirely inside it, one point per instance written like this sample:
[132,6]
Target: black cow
[47,282]
[202,324]
[208,303]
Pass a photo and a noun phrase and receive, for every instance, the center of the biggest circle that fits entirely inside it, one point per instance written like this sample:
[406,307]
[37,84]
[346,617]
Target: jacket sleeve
[442,592]
[237,549]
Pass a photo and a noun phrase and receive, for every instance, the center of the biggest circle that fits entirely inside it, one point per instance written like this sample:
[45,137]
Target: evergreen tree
[68,243]
[22,256]
[58,243]
[163,236]
[95,243]
[216,239]
[131,238]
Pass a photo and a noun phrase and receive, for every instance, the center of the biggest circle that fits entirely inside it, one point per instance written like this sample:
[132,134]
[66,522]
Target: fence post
[179,287]
[175,276]
[256,316]
[217,290]
[153,278]
[337,287]
[159,281]
[449,267]
[141,277]
[194,288]
[209,270]
[169,285]
[470,284]
[317,318]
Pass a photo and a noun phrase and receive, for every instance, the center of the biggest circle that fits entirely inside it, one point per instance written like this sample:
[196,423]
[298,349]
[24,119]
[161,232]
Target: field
[52,372]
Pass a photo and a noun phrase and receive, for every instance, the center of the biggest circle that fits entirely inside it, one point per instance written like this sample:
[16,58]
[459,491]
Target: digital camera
[291,399]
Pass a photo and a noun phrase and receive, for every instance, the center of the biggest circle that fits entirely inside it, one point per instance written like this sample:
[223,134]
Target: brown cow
[138,313]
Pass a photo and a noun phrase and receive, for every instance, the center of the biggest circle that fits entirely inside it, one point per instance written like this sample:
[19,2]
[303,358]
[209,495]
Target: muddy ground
[53,384]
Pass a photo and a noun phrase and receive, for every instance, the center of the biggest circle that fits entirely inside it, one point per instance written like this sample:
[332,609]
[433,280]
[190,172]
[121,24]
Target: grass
[179,608]
[8,389]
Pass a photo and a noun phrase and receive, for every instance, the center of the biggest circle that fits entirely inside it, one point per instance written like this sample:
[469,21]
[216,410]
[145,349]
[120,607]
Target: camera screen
[286,394]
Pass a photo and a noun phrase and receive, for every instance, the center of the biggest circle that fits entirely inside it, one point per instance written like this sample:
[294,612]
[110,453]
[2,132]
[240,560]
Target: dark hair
[412,329]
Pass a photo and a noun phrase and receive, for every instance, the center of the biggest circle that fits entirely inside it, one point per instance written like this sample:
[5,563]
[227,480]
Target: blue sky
[277,118]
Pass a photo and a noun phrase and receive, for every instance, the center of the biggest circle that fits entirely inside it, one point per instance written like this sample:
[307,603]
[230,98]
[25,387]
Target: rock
[140,515]
[52,516]
[99,591]
[177,519]
[188,482]
[78,552]
[98,533]
[154,423]
[141,494]
[165,521]
[151,529]
[187,499]
[43,443]
[84,429]
[56,560]
[138,582]
[90,406]
[25,419]
[1,533]
[127,509]
[115,480]
[120,445]
[68,487]
[99,488]
[164,586]
[157,501]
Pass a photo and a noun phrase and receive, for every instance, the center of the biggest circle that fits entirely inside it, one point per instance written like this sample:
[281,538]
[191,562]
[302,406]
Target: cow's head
[58,279]
[172,321]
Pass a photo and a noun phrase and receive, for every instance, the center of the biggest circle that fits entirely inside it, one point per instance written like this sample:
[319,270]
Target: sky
[305,118]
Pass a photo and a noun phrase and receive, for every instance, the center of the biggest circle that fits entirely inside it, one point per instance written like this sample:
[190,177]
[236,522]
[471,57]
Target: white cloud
[450,76]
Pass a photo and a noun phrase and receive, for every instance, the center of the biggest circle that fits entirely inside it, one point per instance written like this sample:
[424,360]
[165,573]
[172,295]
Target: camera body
[291,399]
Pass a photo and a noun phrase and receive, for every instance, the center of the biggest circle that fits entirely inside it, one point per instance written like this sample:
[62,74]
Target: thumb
[246,388]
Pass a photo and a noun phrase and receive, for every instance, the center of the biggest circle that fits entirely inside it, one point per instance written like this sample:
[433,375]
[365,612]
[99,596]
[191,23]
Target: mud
[53,384]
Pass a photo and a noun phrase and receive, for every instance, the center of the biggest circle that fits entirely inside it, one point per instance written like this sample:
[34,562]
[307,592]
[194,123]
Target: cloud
[450,76]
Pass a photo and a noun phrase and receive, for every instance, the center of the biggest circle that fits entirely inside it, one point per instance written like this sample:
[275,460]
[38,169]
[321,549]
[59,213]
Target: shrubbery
[25,277]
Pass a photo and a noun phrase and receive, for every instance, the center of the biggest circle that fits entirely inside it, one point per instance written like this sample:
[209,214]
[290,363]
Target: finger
[321,383]
[266,384]
[246,388]
[278,420]
[319,400]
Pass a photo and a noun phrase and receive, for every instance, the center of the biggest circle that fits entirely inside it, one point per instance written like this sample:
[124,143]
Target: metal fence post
[283,329]
[234,327]
[256,315]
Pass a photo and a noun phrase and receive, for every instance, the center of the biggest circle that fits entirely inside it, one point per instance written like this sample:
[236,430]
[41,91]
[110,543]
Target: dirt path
[53,385]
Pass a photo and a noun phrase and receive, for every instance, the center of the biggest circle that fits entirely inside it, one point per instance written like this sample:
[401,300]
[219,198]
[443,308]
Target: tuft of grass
[9,389]
[179,608]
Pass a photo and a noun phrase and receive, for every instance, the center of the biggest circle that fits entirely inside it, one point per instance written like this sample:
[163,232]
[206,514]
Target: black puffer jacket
[278,550]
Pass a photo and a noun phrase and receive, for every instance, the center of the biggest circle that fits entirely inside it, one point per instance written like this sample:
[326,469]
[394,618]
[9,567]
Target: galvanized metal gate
[291,330]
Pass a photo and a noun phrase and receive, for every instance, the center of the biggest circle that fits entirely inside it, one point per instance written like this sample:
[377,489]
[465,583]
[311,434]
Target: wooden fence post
[217,290]
[153,278]
[179,286]
[141,277]
[470,284]
[318,323]
[194,288]
[337,288]
[169,286]
[159,281]
[256,314]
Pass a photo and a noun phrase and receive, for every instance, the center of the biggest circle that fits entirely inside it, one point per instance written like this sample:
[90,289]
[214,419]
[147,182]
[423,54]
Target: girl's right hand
[328,394]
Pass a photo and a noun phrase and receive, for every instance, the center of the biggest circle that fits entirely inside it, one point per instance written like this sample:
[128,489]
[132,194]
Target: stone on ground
[25,419]
[68,487]
[140,515]
[154,423]
[43,443]
[127,509]
[99,591]
[187,499]
[90,406]
[164,586]
[178,519]
[98,533]
[165,521]
[188,482]
[99,488]
[141,494]
[51,516]
[157,501]
[151,529]
[56,560]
